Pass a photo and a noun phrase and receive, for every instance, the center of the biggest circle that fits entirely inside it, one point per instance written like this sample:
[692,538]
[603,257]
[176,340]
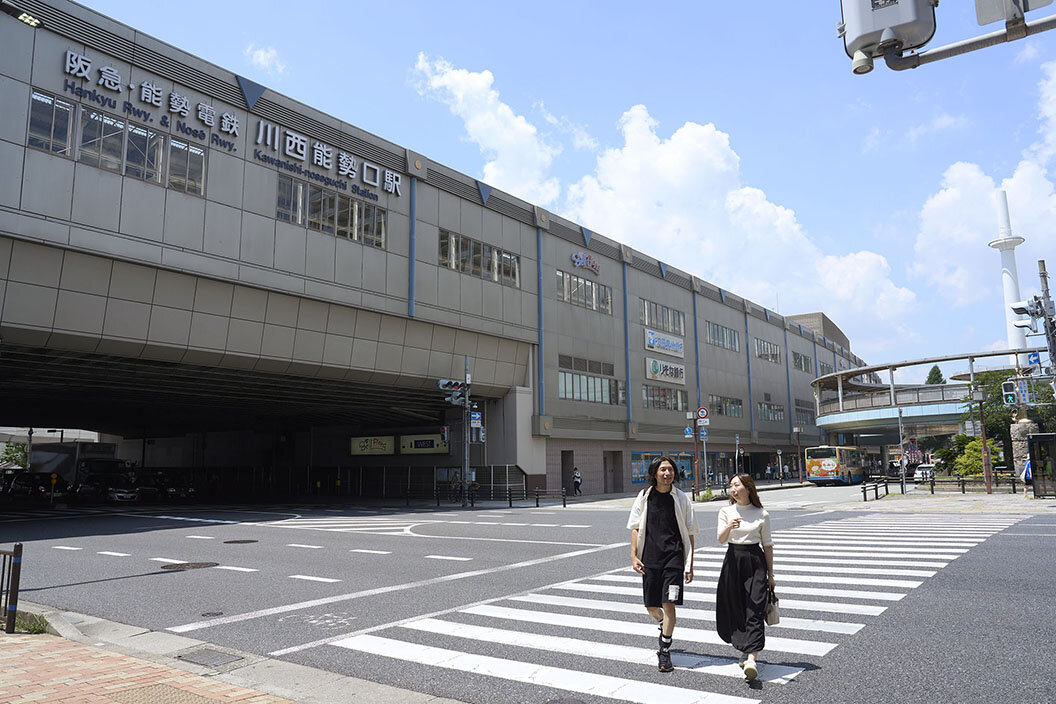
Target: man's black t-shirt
[663,541]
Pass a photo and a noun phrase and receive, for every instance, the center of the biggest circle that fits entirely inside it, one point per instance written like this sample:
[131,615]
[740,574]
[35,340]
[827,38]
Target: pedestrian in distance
[747,574]
[1025,475]
[577,481]
[663,527]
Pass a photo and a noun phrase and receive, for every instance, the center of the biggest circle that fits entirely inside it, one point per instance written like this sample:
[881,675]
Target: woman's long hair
[654,467]
[749,484]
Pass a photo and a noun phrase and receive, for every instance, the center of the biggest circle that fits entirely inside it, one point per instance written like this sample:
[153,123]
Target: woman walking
[747,572]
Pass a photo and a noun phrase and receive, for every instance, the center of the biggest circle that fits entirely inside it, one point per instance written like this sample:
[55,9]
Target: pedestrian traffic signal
[444,433]
[1008,393]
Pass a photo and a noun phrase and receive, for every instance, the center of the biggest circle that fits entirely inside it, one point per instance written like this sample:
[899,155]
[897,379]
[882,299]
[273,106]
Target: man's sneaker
[664,661]
[750,670]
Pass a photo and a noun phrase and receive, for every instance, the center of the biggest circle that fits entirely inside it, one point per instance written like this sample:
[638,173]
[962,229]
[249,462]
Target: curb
[280,678]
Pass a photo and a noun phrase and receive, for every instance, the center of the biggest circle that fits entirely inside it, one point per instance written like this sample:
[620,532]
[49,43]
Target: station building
[237,284]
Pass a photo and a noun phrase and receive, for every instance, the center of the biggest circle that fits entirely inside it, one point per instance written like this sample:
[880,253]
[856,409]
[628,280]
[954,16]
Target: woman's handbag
[773,617]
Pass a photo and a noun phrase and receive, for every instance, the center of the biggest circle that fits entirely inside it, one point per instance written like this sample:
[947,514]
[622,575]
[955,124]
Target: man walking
[662,526]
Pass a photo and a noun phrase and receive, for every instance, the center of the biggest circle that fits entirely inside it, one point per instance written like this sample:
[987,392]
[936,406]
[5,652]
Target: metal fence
[10,571]
[904,397]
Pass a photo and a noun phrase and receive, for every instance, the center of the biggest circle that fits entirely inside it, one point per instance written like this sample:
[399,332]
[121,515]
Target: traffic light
[444,434]
[1033,308]
[458,389]
[1008,393]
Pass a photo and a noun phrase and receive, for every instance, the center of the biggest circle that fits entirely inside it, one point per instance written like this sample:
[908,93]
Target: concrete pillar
[1019,432]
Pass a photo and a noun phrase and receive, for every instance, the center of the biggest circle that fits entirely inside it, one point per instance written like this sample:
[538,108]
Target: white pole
[1006,243]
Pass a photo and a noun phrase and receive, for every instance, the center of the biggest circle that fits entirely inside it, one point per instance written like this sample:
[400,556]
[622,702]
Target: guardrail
[962,484]
[904,397]
[10,571]
[875,485]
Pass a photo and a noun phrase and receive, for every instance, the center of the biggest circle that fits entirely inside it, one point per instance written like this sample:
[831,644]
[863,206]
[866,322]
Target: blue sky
[729,139]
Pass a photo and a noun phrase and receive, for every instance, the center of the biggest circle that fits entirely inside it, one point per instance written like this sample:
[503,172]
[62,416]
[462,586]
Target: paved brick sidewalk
[53,670]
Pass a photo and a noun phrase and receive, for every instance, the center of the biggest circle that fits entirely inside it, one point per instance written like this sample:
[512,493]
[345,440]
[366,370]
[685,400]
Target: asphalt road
[877,606]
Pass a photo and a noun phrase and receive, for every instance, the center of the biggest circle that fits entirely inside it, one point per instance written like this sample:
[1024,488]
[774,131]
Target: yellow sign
[423,445]
[374,445]
[827,467]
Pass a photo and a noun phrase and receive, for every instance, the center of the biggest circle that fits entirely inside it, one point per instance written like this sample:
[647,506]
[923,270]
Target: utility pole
[901,451]
[1049,310]
[465,440]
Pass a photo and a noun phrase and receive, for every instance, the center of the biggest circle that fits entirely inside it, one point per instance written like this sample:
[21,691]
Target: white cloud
[518,159]
[581,137]
[265,58]
[1028,53]
[938,123]
[958,221]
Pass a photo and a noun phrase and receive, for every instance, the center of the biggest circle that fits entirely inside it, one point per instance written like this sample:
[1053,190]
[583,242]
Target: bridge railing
[938,393]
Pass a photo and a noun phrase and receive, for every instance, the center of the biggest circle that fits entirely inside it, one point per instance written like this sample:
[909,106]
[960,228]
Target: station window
[144,153]
[770,411]
[664,398]
[595,386]
[301,203]
[767,350]
[660,316]
[824,368]
[721,336]
[50,122]
[102,140]
[583,292]
[724,406]
[186,167]
[479,260]
[803,362]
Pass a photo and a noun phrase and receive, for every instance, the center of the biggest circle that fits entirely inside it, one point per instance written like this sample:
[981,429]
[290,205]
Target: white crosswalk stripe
[833,577]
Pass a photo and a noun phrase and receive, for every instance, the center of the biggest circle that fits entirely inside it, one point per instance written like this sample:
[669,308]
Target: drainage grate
[189,565]
[209,657]
[212,614]
[238,542]
[158,694]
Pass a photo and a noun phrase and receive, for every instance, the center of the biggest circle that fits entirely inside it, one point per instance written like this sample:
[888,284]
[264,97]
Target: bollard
[876,491]
[1013,483]
[537,498]
[437,492]
[564,498]
[962,484]
[12,588]
[865,496]
[472,498]
[886,492]
[509,496]
[932,483]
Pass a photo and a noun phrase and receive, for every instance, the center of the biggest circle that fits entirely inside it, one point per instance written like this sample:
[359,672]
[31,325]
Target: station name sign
[664,344]
[660,370]
[374,445]
[281,147]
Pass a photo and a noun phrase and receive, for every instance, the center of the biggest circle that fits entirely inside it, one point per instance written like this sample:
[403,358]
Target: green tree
[14,452]
[997,417]
[971,460]
[948,455]
[935,376]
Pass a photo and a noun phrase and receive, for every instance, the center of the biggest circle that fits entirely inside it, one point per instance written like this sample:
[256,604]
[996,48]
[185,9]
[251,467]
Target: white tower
[1006,243]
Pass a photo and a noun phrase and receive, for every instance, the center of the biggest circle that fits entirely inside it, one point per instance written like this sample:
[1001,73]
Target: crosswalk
[591,637]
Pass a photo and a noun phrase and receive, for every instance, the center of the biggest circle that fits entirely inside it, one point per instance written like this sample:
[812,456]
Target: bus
[829,464]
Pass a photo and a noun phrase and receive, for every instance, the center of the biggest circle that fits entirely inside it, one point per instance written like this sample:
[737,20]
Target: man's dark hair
[654,466]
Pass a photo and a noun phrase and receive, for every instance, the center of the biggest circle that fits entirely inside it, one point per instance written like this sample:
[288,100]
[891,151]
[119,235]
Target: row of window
[661,317]
[309,205]
[723,406]
[585,387]
[769,351]
[468,256]
[721,336]
[113,143]
[770,411]
[664,398]
[824,369]
[584,293]
[804,417]
[803,362]
[579,364]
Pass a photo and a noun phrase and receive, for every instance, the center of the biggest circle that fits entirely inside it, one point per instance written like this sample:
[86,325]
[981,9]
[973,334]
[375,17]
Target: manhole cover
[158,694]
[189,565]
[238,542]
[212,614]
[209,657]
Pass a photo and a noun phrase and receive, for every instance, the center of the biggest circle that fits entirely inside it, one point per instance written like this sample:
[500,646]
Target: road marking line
[222,620]
[795,604]
[113,554]
[372,552]
[541,675]
[785,589]
[839,569]
[867,581]
[608,625]
[314,579]
[624,607]
[448,557]
[543,525]
[310,547]
[235,569]
[485,523]
[200,537]
[64,547]
[513,524]
[727,667]
[574,525]
[168,561]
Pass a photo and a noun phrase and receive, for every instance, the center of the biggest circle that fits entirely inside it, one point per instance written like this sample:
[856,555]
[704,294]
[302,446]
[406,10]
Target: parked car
[106,487]
[36,486]
[924,472]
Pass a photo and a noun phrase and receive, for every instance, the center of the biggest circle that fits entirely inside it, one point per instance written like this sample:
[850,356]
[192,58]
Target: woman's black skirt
[740,599]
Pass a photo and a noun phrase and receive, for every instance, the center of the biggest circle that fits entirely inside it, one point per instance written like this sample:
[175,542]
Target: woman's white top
[754,528]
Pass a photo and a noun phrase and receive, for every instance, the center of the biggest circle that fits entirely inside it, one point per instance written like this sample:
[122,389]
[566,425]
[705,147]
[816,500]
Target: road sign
[1024,391]
[702,412]
[703,421]
[474,419]
[703,433]
[779,453]
[1034,359]
[689,432]
[737,437]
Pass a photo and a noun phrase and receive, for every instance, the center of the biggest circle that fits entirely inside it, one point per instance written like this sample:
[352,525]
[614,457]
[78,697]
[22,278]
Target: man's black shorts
[662,585]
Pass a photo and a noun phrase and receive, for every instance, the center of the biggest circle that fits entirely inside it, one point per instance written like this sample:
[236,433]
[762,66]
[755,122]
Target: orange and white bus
[830,464]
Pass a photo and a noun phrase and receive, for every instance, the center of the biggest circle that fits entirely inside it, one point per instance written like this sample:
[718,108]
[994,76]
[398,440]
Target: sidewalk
[88,660]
